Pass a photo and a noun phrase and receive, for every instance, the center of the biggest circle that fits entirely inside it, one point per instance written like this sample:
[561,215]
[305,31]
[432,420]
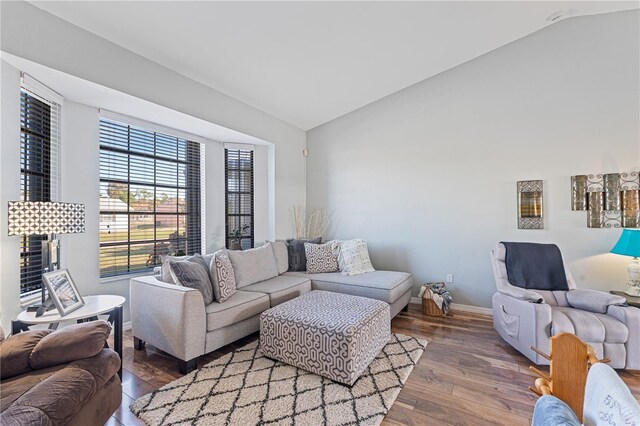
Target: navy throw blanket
[535,266]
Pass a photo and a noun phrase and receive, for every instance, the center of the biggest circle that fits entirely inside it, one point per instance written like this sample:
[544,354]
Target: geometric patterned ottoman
[331,334]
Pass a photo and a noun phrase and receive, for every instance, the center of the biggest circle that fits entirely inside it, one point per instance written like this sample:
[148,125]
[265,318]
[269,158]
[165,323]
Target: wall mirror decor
[530,206]
[612,200]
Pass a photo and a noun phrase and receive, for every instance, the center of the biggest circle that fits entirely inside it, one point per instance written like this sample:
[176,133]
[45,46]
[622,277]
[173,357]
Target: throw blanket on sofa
[535,266]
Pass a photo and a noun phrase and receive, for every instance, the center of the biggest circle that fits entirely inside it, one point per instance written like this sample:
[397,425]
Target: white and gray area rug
[245,388]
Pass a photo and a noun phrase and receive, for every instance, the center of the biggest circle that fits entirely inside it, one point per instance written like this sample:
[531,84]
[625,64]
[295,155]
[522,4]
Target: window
[39,139]
[149,198]
[238,172]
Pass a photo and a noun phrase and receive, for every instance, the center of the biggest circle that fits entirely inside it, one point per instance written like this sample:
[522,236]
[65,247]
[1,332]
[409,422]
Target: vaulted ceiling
[310,62]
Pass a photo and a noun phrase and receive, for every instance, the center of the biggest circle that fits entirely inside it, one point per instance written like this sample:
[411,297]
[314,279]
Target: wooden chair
[569,361]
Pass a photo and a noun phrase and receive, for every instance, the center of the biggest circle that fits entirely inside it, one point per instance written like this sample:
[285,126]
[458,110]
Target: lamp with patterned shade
[46,218]
[629,245]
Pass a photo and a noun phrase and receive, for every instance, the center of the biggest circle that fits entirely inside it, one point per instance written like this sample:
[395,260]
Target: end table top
[631,300]
[93,305]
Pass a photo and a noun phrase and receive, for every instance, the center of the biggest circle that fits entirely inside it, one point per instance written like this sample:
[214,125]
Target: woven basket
[430,308]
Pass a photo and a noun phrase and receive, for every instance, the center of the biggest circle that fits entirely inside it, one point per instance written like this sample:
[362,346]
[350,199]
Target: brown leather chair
[65,377]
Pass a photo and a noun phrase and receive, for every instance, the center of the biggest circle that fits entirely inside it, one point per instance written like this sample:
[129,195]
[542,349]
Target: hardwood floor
[466,376]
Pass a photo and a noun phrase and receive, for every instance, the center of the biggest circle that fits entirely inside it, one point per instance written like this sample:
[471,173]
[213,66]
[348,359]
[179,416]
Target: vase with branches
[236,235]
[312,225]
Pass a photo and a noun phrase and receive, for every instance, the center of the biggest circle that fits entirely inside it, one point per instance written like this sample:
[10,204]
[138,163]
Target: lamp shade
[45,217]
[628,244]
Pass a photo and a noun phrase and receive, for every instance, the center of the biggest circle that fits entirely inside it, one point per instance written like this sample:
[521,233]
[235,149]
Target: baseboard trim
[461,307]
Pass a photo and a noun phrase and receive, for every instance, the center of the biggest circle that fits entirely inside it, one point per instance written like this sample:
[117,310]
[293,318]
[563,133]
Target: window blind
[239,194]
[39,171]
[150,189]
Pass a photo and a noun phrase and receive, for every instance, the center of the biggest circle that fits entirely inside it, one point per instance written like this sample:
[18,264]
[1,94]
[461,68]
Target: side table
[93,306]
[631,300]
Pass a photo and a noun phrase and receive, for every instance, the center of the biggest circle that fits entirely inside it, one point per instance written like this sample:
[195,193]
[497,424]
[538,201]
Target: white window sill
[123,277]
[30,299]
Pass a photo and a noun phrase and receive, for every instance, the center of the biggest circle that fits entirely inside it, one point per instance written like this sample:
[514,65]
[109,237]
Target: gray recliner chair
[525,317]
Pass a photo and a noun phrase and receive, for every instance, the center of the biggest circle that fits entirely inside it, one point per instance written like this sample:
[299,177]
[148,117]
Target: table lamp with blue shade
[629,245]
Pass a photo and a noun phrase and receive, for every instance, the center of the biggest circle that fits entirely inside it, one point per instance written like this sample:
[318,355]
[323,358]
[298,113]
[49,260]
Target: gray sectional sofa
[175,319]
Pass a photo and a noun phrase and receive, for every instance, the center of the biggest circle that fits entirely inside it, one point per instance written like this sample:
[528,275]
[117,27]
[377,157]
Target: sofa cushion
[16,352]
[281,253]
[240,306]
[254,265]
[297,258]
[282,288]
[387,286]
[588,326]
[15,387]
[593,300]
[320,258]
[223,278]
[70,343]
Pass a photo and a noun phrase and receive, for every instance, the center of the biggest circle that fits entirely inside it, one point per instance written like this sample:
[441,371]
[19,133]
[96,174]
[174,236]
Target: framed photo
[62,290]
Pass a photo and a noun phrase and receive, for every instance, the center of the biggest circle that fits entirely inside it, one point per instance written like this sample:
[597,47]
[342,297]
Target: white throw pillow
[354,257]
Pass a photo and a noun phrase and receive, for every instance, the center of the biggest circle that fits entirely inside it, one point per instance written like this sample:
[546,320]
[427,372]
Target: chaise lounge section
[175,319]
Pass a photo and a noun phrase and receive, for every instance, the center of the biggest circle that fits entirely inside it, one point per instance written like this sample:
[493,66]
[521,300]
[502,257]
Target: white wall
[428,175]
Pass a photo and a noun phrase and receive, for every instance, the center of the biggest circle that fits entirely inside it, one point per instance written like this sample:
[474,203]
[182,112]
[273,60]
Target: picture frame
[62,291]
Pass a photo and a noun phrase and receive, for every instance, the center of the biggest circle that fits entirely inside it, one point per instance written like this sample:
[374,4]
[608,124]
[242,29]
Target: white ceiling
[310,62]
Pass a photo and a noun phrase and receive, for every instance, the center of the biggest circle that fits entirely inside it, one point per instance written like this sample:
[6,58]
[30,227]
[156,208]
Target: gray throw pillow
[297,257]
[193,274]
[165,273]
[224,282]
[320,258]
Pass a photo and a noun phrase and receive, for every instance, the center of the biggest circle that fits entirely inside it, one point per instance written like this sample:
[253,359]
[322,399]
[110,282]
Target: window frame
[250,238]
[41,162]
[193,187]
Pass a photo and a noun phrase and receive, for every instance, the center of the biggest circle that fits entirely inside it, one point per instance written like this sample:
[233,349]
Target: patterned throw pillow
[165,273]
[224,282]
[354,257]
[297,257]
[320,258]
[193,274]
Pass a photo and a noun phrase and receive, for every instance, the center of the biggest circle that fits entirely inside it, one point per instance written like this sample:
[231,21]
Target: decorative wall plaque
[631,208]
[612,200]
[612,191]
[579,192]
[530,205]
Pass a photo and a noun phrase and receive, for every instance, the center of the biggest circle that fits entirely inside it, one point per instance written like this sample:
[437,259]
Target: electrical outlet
[449,278]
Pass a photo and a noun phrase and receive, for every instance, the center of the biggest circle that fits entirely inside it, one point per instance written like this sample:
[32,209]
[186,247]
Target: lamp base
[633,291]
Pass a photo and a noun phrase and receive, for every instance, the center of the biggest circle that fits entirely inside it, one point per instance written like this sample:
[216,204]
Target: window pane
[141,169]
[142,198]
[142,227]
[166,200]
[114,165]
[114,260]
[141,257]
[114,227]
